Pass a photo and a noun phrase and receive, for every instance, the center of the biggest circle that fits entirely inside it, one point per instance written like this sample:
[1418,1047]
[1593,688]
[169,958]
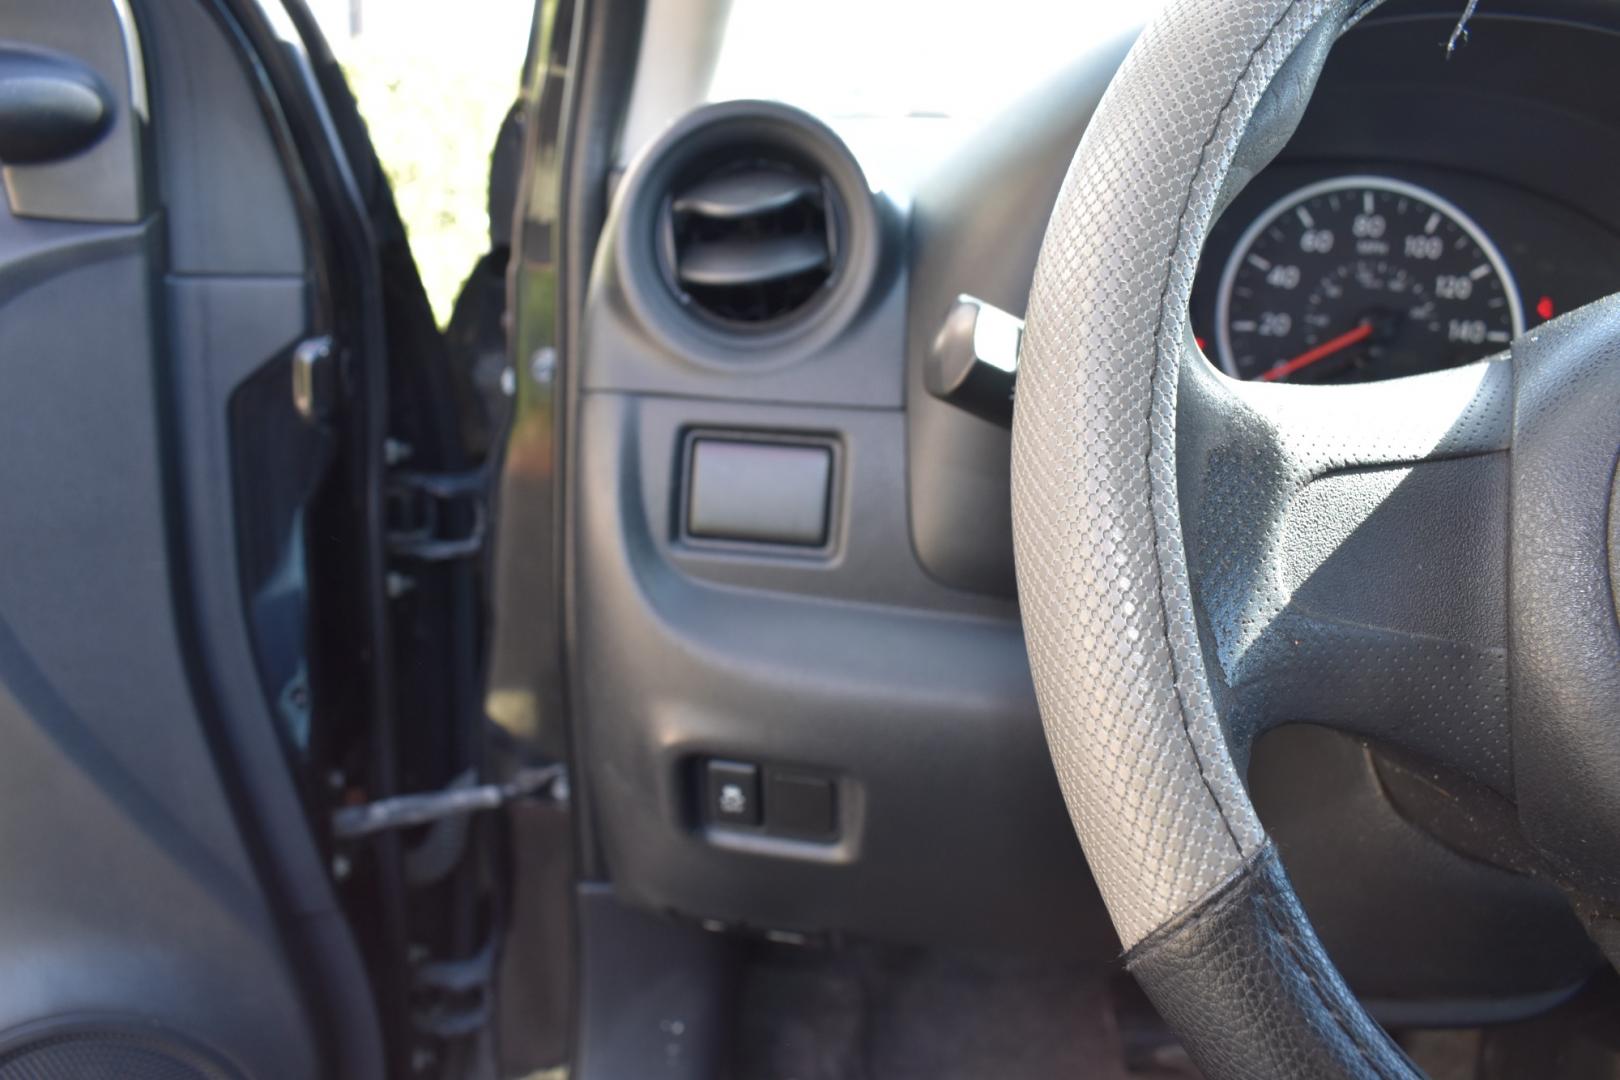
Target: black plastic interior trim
[75,83]
[897,663]
[976,224]
[348,295]
[705,333]
[50,108]
[744,194]
[729,263]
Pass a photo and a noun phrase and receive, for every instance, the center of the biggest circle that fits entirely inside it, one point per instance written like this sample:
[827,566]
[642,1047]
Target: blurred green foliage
[434,115]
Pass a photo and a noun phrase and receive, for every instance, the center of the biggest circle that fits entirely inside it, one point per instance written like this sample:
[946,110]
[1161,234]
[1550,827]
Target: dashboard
[1420,219]
[1356,278]
[792,566]
[1318,274]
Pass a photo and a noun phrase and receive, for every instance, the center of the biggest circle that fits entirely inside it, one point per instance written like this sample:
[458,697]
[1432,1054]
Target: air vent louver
[751,242]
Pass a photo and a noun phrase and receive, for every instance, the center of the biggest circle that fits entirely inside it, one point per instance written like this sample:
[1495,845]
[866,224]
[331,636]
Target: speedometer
[1359,278]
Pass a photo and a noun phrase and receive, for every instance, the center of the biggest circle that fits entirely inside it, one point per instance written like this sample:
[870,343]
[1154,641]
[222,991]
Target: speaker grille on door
[106,1055]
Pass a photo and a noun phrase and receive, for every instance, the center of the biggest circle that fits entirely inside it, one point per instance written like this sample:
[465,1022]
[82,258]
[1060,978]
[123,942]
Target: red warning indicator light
[1545,308]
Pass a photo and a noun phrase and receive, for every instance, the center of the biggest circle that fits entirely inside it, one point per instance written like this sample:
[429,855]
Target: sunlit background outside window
[434,79]
[905,81]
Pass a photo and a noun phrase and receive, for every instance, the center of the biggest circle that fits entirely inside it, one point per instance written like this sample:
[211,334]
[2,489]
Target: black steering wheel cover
[1245,983]
[1214,932]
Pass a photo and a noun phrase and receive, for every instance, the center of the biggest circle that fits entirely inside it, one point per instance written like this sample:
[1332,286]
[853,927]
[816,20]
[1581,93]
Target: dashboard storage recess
[752,490]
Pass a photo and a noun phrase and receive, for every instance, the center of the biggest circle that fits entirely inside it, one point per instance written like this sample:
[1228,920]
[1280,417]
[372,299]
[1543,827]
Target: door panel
[105,182]
[160,873]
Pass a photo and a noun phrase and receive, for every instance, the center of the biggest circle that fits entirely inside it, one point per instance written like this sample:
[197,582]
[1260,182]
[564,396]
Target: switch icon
[732,800]
[731,792]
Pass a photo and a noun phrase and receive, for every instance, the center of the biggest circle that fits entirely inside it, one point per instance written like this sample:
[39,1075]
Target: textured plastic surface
[128,1053]
[858,667]
[1494,944]
[866,664]
[768,492]
[106,182]
[976,227]
[222,179]
[654,994]
[1348,546]
[835,351]
[1387,89]
[112,798]
[50,108]
[1566,641]
[237,297]
[125,725]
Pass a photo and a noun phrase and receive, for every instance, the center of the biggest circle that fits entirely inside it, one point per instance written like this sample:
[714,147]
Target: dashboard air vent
[752,241]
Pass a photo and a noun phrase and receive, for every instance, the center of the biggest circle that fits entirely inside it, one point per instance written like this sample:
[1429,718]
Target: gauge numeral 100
[1425,247]
[1361,277]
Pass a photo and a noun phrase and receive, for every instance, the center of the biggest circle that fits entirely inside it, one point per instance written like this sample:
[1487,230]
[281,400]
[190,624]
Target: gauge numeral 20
[1361,277]
[1275,324]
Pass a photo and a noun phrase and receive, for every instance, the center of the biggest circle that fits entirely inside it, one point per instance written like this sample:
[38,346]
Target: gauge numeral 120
[1421,287]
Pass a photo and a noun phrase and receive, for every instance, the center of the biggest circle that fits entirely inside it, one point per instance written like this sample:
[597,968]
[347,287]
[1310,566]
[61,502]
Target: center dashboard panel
[776,703]
[802,702]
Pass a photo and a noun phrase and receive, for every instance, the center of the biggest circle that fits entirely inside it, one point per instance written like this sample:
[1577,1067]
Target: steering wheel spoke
[1201,559]
[1347,548]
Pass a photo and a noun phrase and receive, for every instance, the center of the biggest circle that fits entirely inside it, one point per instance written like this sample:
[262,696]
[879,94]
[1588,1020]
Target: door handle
[51,107]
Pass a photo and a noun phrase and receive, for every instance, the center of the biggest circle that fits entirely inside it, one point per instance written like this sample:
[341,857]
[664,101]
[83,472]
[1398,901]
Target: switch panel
[800,805]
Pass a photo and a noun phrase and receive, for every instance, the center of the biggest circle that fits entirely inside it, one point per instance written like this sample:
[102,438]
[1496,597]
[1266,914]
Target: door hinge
[437,516]
[455,997]
[405,811]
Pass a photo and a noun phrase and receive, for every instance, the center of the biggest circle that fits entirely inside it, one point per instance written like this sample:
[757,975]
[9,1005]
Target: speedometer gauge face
[1361,278]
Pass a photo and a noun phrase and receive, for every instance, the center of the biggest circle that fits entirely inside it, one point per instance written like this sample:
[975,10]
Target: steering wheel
[1427,562]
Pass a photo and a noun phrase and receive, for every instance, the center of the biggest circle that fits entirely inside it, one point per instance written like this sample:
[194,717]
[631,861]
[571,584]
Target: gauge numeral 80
[1415,286]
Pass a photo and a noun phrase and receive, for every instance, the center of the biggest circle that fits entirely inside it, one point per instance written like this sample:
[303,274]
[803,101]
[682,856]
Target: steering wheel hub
[1565,642]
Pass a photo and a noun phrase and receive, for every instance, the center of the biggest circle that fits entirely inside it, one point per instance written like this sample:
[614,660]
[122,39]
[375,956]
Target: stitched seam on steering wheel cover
[1332,1004]
[1196,964]
[1161,431]
[1161,812]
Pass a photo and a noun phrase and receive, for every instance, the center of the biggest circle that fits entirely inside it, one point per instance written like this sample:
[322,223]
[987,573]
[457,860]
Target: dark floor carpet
[877,1013]
[869,1014]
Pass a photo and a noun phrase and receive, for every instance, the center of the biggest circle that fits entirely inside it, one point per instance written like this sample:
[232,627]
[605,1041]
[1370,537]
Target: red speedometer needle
[1321,352]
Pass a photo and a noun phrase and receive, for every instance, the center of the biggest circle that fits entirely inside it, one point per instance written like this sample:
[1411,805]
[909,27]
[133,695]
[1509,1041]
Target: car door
[239,565]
